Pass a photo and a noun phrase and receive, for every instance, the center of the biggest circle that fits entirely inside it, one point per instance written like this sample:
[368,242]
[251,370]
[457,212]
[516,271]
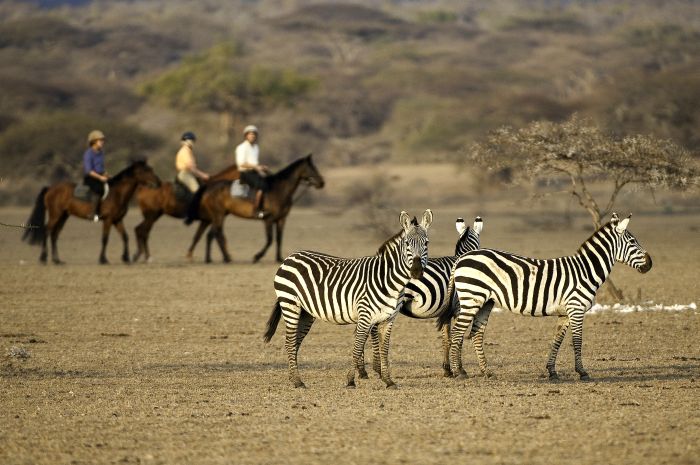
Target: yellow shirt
[184,160]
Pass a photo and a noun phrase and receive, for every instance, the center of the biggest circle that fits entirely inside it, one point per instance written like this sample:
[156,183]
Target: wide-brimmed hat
[95,135]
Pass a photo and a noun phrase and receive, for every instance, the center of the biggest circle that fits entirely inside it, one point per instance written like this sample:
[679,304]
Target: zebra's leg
[477,336]
[376,356]
[576,318]
[292,315]
[358,361]
[461,325]
[447,371]
[559,334]
[385,336]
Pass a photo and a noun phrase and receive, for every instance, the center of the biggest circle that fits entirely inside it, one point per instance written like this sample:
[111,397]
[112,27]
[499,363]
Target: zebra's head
[415,242]
[628,250]
[468,237]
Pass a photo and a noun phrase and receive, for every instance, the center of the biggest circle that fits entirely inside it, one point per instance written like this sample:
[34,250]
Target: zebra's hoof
[553,376]
[461,376]
[299,385]
[392,385]
[363,374]
[585,377]
[351,385]
[487,374]
[447,373]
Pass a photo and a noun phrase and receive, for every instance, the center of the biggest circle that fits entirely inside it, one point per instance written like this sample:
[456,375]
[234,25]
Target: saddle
[242,191]
[84,193]
[182,193]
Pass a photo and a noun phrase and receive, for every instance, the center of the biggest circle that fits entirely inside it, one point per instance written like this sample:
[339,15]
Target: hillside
[397,82]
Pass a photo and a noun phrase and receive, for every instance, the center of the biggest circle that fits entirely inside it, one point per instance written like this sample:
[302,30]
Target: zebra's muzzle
[416,270]
[647,264]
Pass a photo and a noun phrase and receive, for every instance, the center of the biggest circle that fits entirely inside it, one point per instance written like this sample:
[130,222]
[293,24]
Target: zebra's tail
[35,227]
[273,322]
[446,311]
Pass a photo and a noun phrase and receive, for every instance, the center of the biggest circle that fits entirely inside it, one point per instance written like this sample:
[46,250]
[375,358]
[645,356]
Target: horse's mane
[128,171]
[285,172]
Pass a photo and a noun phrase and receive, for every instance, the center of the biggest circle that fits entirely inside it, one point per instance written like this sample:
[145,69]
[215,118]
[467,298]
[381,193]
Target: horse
[60,203]
[217,202]
[154,202]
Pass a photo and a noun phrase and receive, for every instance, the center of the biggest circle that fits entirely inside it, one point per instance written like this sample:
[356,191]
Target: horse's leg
[142,231]
[125,239]
[197,236]
[106,225]
[268,241]
[55,231]
[280,229]
[221,239]
[210,237]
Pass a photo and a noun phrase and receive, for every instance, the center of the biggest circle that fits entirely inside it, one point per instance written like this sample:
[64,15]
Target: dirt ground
[165,363]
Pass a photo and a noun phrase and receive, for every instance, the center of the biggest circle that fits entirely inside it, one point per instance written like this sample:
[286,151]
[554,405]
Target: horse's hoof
[104,261]
[58,262]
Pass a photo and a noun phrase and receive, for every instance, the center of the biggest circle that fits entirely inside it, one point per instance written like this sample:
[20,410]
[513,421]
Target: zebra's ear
[427,219]
[614,219]
[478,225]
[461,227]
[620,228]
[405,221]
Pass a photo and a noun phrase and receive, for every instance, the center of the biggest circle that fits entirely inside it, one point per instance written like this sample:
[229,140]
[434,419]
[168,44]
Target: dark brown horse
[154,202]
[60,203]
[217,202]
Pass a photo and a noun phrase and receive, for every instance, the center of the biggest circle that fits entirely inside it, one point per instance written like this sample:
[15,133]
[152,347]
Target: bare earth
[164,362]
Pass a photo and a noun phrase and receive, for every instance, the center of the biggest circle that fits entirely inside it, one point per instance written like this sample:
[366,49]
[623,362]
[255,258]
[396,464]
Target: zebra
[424,297]
[565,287]
[365,291]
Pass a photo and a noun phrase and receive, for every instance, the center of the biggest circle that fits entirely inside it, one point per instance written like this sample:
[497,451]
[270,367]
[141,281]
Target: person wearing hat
[252,172]
[94,168]
[186,165]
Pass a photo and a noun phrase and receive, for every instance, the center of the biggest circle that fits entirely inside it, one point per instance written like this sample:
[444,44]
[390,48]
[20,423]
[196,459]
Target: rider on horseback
[94,168]
[186,166]
[252,173]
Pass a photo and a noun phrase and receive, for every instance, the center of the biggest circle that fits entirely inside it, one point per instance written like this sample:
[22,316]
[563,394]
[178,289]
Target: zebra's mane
[597,232]
[395,238]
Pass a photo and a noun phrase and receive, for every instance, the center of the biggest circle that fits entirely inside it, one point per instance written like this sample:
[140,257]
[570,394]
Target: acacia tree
[580,152]
[217,81]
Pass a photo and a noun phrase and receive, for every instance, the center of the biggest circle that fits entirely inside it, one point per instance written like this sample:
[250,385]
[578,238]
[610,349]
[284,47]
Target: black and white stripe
[424,297]
[564,287]
[365,291]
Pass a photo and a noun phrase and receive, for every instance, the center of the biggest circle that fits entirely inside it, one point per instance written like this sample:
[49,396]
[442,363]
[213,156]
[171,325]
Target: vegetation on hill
[354,82]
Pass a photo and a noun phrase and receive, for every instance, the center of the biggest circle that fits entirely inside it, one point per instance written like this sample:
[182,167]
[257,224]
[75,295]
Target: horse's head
[144,174]
[628,250]
[310,174]
[415,242]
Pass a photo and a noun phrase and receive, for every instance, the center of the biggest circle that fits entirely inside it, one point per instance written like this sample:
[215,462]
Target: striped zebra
[424,297]
[565,287]
[365,291]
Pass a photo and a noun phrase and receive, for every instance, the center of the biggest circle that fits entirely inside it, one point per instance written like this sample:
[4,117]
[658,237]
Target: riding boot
[96,212]
[260,201]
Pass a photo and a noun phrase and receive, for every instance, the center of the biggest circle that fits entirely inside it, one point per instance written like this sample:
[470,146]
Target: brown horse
[60,203]
[154,202]
[217,202]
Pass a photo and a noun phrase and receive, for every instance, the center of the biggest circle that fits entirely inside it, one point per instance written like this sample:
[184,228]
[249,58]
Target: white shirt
[247,154]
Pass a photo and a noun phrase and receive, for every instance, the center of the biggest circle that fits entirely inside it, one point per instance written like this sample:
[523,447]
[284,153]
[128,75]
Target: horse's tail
[447,310]
[273,322]
[35,228]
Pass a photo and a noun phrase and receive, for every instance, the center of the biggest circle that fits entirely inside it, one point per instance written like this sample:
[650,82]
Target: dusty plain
[164,362]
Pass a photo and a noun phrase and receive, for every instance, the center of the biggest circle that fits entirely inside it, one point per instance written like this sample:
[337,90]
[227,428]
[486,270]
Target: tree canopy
[582,152]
